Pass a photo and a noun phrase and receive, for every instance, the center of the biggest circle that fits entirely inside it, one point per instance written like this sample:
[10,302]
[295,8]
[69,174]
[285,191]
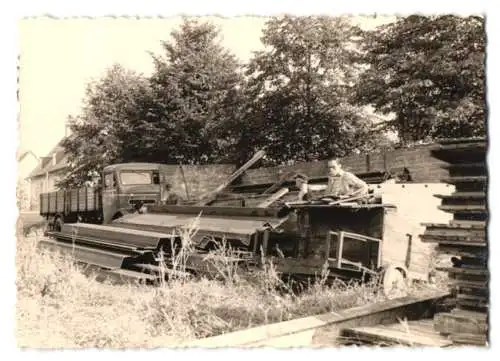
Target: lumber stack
[464,240]
[285,180]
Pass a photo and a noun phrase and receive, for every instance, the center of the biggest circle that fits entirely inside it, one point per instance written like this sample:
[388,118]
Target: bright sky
[58,58]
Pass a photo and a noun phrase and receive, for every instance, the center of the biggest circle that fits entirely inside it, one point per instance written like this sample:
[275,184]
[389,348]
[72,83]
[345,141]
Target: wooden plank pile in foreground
[417,333]
[464,240]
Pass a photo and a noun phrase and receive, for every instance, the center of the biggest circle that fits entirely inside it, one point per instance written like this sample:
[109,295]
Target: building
[48,172]
[26,162]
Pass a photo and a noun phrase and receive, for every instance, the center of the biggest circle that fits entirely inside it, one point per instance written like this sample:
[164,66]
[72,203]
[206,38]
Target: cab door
[109,197]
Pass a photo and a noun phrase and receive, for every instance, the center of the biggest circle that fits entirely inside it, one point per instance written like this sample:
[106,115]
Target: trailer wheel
[58,223]
[394,282]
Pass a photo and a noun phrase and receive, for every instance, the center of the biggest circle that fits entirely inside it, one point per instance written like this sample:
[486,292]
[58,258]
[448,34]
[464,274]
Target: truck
[123,188]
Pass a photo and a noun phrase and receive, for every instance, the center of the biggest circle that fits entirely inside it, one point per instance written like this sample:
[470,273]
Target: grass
[58,306]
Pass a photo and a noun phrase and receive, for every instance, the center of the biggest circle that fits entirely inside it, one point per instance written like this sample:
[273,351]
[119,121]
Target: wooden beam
[265,242]
[283,179]
[465,322]
[328,245]
[340,246]
[411,333]
[210,196]
[273,198]
[469,339]
[328,323]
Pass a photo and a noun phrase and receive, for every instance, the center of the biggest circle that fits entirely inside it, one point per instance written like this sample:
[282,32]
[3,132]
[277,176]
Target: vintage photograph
[247,181]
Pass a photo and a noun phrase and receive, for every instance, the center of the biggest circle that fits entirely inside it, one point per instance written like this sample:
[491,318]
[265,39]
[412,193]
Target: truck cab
[123,188]
[129,186]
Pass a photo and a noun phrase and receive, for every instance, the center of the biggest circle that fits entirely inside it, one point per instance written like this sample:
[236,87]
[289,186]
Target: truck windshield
[134,178]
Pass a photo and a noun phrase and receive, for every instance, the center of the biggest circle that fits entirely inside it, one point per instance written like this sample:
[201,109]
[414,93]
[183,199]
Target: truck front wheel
[58,223]
[116,216]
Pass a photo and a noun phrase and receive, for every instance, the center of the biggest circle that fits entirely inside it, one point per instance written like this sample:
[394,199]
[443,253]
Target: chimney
[44,161]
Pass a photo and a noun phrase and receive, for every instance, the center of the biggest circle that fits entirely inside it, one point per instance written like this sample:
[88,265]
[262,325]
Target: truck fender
[117,215]
[121,212]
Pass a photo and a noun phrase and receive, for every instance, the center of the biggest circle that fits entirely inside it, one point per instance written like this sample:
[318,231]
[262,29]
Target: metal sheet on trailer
[217,211]
[87,255]
[240,228]
[137,238]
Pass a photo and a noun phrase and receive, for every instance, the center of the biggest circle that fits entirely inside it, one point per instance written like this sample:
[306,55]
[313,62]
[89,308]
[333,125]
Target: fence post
[340,247]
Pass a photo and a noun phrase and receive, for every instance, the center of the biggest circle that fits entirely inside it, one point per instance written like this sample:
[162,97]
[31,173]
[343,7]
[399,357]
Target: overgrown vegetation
[59,306]
[302,98]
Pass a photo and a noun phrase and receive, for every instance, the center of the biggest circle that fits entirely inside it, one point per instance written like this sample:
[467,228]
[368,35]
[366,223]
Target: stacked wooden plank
[373,177]
[418,333]
[464,240]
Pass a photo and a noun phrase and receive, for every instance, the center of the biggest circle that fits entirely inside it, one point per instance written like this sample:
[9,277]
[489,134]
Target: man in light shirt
[344,184]
[341,184]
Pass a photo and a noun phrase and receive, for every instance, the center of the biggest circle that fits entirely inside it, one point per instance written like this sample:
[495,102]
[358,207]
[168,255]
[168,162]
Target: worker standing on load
[343,184]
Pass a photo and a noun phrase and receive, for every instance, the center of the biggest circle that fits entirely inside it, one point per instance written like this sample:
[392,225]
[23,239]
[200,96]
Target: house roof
[49,166]
[21,154]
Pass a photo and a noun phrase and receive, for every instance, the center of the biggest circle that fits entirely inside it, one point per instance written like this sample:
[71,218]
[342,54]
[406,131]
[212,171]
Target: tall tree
[195,87]
[108,130]
[429,72]
[299,88]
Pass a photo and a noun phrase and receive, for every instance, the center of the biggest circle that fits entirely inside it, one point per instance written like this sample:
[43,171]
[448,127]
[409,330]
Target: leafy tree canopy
[195,87]
[182,109]
[298,90]
[302,98]
[429,71]
[105,130]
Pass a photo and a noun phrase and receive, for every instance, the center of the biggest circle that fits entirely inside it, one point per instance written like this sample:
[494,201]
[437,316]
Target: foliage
[182,110]
[22,197]
[109,126]
[302,98]
[298,89]
[58,306]
[195,88]
[429,71]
